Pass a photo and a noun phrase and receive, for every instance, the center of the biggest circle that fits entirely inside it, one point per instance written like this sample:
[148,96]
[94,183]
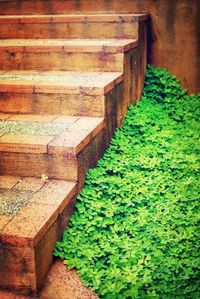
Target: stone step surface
[71,26]
[55,146]
[33,215]
[65,54]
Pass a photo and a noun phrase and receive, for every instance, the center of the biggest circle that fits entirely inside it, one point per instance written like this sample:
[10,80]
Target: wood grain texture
[103,62]
[20,263]
[73,30]
[54,166]
[63,104]
[174,29]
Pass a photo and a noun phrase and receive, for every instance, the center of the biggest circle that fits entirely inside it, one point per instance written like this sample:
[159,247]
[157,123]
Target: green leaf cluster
[135,230]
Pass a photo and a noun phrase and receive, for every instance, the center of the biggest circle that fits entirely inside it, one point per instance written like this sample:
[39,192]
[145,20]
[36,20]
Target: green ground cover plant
[135,230]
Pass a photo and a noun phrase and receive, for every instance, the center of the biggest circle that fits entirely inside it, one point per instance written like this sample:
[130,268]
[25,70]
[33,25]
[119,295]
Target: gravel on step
[34,77]
[53,42]
[32,128]
[12,201]
[64,77]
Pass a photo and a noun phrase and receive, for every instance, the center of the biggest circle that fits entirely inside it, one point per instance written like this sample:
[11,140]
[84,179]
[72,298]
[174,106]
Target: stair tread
[36,81]
[72,45]
[52,134]
[34,201]
[74,18]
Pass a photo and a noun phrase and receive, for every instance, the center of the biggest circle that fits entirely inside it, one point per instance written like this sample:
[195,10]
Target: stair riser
[69,30]
[18,60]
[60,6]
[54,166]
[53,103]
[109,105]
[65,167]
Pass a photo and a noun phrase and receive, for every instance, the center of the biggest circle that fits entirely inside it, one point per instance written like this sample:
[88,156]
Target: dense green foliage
[134,233]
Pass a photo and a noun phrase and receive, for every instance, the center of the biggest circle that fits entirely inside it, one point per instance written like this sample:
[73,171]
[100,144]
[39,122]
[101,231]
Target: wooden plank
[70,30]
[63,104]
[57,167]
[70,6]
[24,144]
[12,273]
[70,61]
[15,102]
[69,104]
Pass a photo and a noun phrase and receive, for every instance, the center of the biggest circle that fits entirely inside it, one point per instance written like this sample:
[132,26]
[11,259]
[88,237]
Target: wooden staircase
[66,81]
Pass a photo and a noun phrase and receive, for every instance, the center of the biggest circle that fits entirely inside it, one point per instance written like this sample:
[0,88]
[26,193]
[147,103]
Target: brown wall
[174,36]
[174,39]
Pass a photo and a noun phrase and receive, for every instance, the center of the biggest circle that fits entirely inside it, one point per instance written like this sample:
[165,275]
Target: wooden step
[84,26]
[95,26]
[65,54]
[59,147]
[33,214]
[74,55]
[67,93]
[69,6]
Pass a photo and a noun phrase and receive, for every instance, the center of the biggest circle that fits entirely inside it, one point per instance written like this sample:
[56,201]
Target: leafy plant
[135,231]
